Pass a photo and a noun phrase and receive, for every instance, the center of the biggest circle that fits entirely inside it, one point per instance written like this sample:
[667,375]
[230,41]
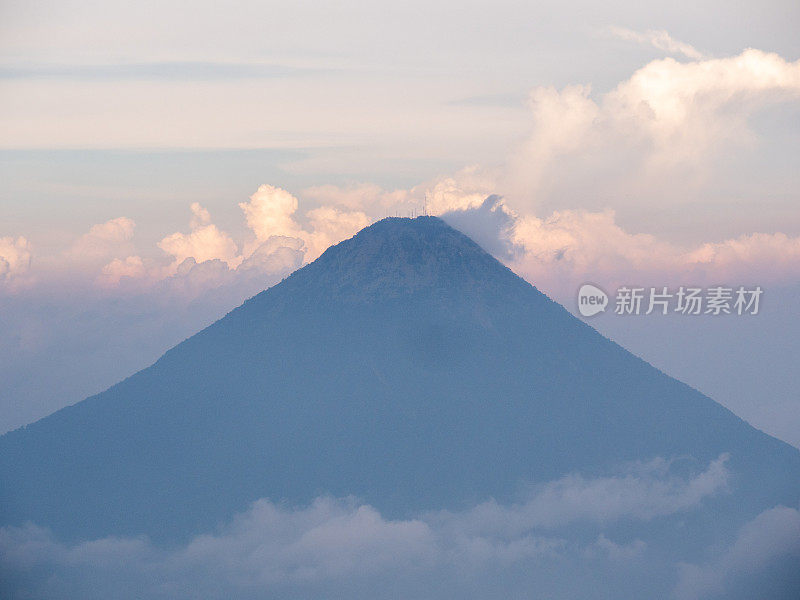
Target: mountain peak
[397,257]
[397,243]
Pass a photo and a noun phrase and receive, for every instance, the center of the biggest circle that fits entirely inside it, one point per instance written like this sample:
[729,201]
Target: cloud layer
[570,247]
[560,540]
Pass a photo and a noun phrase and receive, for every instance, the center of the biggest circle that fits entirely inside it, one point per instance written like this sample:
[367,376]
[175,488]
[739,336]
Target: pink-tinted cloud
[204,242]
[15,257]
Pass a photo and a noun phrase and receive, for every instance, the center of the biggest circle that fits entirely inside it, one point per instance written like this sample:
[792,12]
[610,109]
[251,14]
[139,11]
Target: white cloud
[466,189]
[569,247]
[200,216]
[113,231]
[102,242]
[658,38]
[132,267]
[271,212]
[561,123]
[689,109]
[15,257]
[328,540]
[572,245]
[204,242]
[279,245]
[278,254]
[330,226]
[670,119]
[644,492]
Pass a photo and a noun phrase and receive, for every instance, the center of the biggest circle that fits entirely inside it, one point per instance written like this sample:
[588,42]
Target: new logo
[591,300]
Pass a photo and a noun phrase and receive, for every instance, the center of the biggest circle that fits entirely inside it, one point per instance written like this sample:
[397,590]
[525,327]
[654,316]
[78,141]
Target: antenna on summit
[425,205]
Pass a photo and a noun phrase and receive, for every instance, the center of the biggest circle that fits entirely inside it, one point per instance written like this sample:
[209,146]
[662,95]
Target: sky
[162,161]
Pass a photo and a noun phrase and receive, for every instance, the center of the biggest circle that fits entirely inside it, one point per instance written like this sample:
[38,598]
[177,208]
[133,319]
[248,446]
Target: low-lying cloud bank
[559,542]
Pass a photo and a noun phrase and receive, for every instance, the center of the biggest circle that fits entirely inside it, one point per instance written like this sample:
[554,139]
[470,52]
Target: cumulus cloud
[204,242]
[206,257]
[132,267]
[466,189]
[15,257]
[668,118]
[200,216]
[573,244]
[113,231]
[278,254]
[343,547]
[279,244]
[570,247]
[329,226]
[271,212]
[659,39]
[104,238]
[684,106]
[561,122]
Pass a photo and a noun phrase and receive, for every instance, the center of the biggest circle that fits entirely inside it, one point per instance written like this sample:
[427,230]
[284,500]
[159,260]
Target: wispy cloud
[657,38]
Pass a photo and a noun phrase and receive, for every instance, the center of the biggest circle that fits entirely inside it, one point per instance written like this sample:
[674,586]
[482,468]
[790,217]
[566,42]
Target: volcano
[406,367]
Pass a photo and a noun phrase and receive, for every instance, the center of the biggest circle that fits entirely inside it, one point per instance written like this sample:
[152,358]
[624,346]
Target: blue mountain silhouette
[405,366]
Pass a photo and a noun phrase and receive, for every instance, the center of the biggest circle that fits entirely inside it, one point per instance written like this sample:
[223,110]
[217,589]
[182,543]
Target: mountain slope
[405,366]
